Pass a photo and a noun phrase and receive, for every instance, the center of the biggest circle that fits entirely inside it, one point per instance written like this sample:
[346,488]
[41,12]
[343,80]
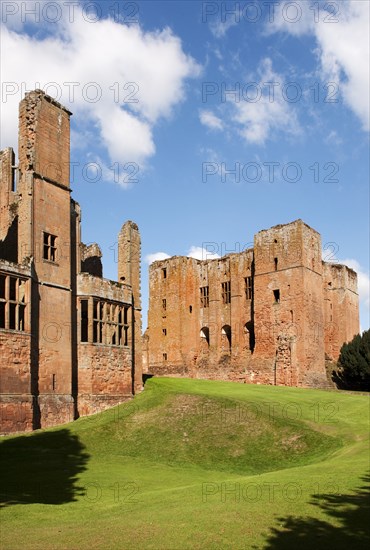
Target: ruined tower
[272,314]
[69,338]
[129,261]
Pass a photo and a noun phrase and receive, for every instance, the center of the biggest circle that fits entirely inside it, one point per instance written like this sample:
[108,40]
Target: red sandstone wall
[104,377]
[341,307]
[44,137]
[129,262]
[289,333]
[187,352]
[8,198]
[15,365]
[15,368]
[104,371]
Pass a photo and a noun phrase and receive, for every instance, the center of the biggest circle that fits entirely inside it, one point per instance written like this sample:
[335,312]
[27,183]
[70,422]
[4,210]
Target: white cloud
[296,18]
[196,252]
[210,155]
[333,139]
[138,77]
[341,30]
[219,28]
[156,256]
[258,119]
[344,48]
[209,119]
[201,253]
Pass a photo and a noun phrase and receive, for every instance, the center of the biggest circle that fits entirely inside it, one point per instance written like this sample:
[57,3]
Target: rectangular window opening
[277,295]
[2,314]
[50,250]
[165,357]
[14,179]
[248,288]
[12,316]
[12,288]
[2,286]
[110,323]
[164,273]
[164,331]
[164,305]
[204,296]
[21,312]
[12,302]
[226,292]
[84,320]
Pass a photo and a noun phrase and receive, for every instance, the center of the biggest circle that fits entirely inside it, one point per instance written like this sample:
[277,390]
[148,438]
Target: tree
[354,364]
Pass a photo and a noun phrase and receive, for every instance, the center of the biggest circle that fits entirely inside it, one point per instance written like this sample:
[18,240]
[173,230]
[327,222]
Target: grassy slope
[194,464]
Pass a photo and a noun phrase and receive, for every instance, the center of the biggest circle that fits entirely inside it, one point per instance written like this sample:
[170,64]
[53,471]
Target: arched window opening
[204,334]
[249,334]
[226,337]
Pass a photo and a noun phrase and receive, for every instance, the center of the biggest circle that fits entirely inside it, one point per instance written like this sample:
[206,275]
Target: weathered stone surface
[285,310]
[70,340]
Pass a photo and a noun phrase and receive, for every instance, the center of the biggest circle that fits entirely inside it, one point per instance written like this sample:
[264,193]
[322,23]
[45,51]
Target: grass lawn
[195,464]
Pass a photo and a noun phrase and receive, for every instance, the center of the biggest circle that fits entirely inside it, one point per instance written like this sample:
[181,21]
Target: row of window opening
[12,302]
[110,323]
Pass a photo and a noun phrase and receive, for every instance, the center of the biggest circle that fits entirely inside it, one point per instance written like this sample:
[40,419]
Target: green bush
[354,364]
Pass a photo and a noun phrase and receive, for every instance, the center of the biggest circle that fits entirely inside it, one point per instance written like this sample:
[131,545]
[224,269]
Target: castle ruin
[70,340]
[272,314]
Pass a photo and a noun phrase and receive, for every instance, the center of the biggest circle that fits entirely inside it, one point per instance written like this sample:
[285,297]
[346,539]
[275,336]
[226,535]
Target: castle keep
[70,340]
[272,314]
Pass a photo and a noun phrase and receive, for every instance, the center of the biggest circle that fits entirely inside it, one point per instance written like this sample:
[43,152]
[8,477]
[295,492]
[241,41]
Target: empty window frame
[49,249]
[276,295]
[204,334]
[226,292]
[226,337]
[164,304]
[204,296]
[12,302]
[248,288]
[164,272]
[84,320]
[110,323]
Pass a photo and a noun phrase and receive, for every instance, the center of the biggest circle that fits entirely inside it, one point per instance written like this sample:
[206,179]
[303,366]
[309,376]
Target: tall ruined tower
[129,257]
[44,237]
[288,304]
[70,340]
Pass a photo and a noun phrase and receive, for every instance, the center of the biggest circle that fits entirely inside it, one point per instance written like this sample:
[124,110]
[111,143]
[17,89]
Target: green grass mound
[213,433]
[217,434]
[194,464]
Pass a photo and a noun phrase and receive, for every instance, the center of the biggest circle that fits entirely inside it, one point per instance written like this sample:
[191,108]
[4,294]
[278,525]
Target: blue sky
[204,122]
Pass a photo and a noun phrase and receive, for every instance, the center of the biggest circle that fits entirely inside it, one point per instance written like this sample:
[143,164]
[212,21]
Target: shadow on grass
[41,468]
[350,511]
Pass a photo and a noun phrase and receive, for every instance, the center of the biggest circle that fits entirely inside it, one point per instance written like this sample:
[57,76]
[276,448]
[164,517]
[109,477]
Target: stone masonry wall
[275,332]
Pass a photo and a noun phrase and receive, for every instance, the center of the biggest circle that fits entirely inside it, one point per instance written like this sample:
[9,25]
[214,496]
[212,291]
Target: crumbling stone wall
[104,370]
[341,307]
[273,328]
[46,364]
[91,259]
[189,334]
[129,272]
